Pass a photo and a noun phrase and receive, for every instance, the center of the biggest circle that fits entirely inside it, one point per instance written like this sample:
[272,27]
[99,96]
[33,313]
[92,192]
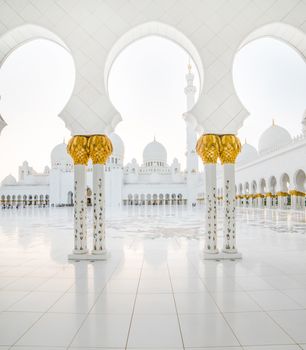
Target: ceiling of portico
[90,29]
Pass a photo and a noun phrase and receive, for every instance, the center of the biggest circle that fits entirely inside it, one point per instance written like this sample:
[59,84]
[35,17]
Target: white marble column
[98,176]
[100,148]
[208,148]
[80,210]
[210,209]
[229,226]
[230,148]
[77,148]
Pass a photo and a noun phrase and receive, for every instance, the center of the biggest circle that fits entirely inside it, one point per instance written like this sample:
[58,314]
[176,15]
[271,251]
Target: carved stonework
[230,147]
[77,148]
[208,148]
[100,148]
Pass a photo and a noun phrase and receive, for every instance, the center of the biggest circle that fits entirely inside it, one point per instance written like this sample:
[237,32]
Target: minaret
[191,139]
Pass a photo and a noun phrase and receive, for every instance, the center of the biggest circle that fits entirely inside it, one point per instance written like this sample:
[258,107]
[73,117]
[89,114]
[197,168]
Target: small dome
[59,155]
[118,145]
[9,180]
[154,151]
[273,138]
[248,154]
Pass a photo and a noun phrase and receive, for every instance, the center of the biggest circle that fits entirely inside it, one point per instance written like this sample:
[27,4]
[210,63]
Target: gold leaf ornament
[78,150]
[208,148]
[230,147]
[100,148]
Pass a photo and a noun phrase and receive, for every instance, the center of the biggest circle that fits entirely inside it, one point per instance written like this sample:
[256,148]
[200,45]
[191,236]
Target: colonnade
[211,148]
[22,201]
[292,199]
[154,199]
[82,148]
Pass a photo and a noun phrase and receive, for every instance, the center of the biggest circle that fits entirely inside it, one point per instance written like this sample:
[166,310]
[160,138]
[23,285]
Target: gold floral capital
[100,148]
[208,148]
[230,147]
[77,148]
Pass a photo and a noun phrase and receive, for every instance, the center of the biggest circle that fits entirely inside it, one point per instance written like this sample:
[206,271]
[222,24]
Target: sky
[146,85]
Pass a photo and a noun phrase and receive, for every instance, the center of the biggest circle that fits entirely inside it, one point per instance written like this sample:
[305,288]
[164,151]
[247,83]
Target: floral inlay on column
[100,148]
[208,148]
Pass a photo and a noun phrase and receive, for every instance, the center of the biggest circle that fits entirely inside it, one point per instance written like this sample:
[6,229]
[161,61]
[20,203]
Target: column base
[80,252]
[100,254]
[221,256]
[91,257]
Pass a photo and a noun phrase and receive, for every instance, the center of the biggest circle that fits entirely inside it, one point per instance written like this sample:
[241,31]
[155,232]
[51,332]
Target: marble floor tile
[256,328]
[52,329]
[14,324]
[206,330]
[155,331]
[103,331]
[293,322]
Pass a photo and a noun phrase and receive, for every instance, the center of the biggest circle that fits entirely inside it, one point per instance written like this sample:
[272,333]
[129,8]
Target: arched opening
[161,199]
[180,199]
[148,90]
[142,199]
[240,188]
[285,183]
[136,199]
[262,186]
[269,75]
[272,184]
[36,81]
[299,180]
[25,202]
[246,188]
[254,187]
[149,202]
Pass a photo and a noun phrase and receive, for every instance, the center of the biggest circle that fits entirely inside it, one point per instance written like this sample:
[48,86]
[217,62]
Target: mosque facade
[271,176]
[153,182]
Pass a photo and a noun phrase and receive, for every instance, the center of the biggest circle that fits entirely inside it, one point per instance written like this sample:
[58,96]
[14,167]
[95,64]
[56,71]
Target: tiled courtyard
[154,291]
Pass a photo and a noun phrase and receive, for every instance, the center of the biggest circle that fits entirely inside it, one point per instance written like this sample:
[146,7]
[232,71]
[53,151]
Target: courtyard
[154,291]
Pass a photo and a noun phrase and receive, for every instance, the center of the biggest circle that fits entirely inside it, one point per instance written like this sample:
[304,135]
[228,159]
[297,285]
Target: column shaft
[80,210]
[210,209]
[98,208]
[229,226]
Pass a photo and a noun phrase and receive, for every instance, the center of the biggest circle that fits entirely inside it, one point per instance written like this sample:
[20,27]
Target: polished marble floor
[155,291]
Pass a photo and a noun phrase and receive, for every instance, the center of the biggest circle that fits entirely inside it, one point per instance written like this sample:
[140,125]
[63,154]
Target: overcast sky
[147,86]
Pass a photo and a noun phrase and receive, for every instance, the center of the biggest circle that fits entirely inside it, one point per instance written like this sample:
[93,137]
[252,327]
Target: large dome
[118,146]
[154,151]
[9,181]
[247,154]
[273,138]
[59,155]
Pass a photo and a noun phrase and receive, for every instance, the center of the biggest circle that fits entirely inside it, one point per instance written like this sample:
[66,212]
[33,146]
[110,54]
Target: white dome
[59,155]
[273,138]
[154,151]
[9,180]
[118,146]
[248,154]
